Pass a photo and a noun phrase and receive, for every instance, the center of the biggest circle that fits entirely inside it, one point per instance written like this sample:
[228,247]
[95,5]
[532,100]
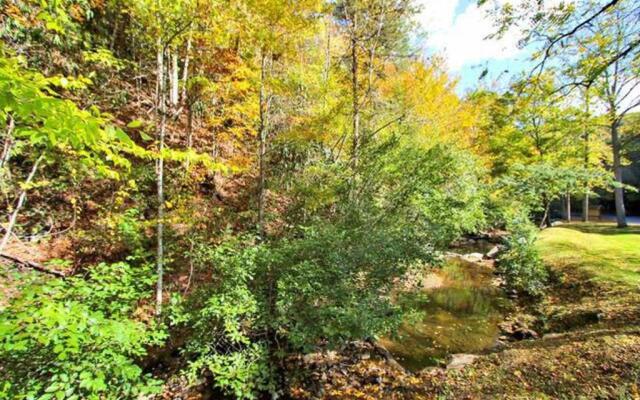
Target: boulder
[493,253]
[459,361]
[499,344]
[553,336]
[516,330]
[473,257]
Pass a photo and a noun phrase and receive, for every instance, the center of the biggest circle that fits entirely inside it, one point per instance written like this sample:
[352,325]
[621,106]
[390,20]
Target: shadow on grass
[602,228]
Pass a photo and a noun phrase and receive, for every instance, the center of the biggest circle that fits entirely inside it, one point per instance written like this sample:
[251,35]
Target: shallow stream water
[459,313]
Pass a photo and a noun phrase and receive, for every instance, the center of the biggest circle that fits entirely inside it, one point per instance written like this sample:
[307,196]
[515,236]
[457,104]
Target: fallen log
[33,265]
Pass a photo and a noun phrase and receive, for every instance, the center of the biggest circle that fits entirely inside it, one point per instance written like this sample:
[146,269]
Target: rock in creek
[459,361]
[493,253]
[516,330]
[473,257]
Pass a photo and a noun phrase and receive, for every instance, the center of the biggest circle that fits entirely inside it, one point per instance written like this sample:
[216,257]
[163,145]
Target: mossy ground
[590,317]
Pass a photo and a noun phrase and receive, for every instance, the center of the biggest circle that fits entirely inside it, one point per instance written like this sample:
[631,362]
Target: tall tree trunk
[23,195]
[160,178]
[185,72]
[618,192]
[275,360]
[545,217]
[585,205]
[262,150]
[114,33]
[354,92]
[159,70]
[174,82]
[587,190]
[327,50]
[568,208]
[372,54]
[189,131]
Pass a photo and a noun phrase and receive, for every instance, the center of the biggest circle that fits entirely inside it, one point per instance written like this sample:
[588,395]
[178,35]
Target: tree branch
[33,265]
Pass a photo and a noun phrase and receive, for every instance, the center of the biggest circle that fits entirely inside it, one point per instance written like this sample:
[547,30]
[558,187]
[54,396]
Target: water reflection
[459,316]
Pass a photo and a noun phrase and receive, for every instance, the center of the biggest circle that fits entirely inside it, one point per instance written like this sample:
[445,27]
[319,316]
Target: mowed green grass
[603,252]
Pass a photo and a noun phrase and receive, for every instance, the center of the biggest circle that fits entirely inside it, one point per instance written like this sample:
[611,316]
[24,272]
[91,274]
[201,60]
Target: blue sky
[456,30]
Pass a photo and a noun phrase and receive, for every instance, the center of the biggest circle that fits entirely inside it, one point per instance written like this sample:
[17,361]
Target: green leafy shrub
[243,373]
[334,284]
[520,264]
[76,339]
[221,317]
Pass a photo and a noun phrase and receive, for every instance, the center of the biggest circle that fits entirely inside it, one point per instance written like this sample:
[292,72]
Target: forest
[292,199]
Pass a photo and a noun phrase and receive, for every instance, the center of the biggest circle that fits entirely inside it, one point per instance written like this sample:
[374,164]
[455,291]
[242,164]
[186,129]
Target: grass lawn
[600,251]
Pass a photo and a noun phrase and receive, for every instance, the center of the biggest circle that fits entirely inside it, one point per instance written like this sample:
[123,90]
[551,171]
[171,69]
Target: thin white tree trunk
[185,72]
[354,96]
[186,289]
[585,201]
[327,53]
[160,179]
[173,79]
[160,70]
[23,195]
[585,206]
[262,149]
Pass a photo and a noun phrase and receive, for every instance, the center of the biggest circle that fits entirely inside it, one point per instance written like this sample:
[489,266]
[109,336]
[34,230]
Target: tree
[375,29]
[167,23]
[596,152]
[536,185]
[275,28]
[616,85]
[555,28]
[350,163]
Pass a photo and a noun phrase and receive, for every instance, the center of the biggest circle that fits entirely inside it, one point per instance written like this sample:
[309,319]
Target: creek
[458,311]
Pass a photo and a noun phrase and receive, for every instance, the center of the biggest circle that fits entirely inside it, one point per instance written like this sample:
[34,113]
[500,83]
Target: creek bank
[587,346]
[465,293]
[368,367]
[357,370]
[594,363]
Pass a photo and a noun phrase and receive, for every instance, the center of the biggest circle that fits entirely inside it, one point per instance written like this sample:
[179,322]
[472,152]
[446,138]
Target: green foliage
[335,282]
[56,24]
[49,124]
[332,277]
[104,58]
[438,191]
[222,316]
[77,338]
[129,228]
[520,264]
[453,201]
[242,373]
[534,186]
[343,222]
